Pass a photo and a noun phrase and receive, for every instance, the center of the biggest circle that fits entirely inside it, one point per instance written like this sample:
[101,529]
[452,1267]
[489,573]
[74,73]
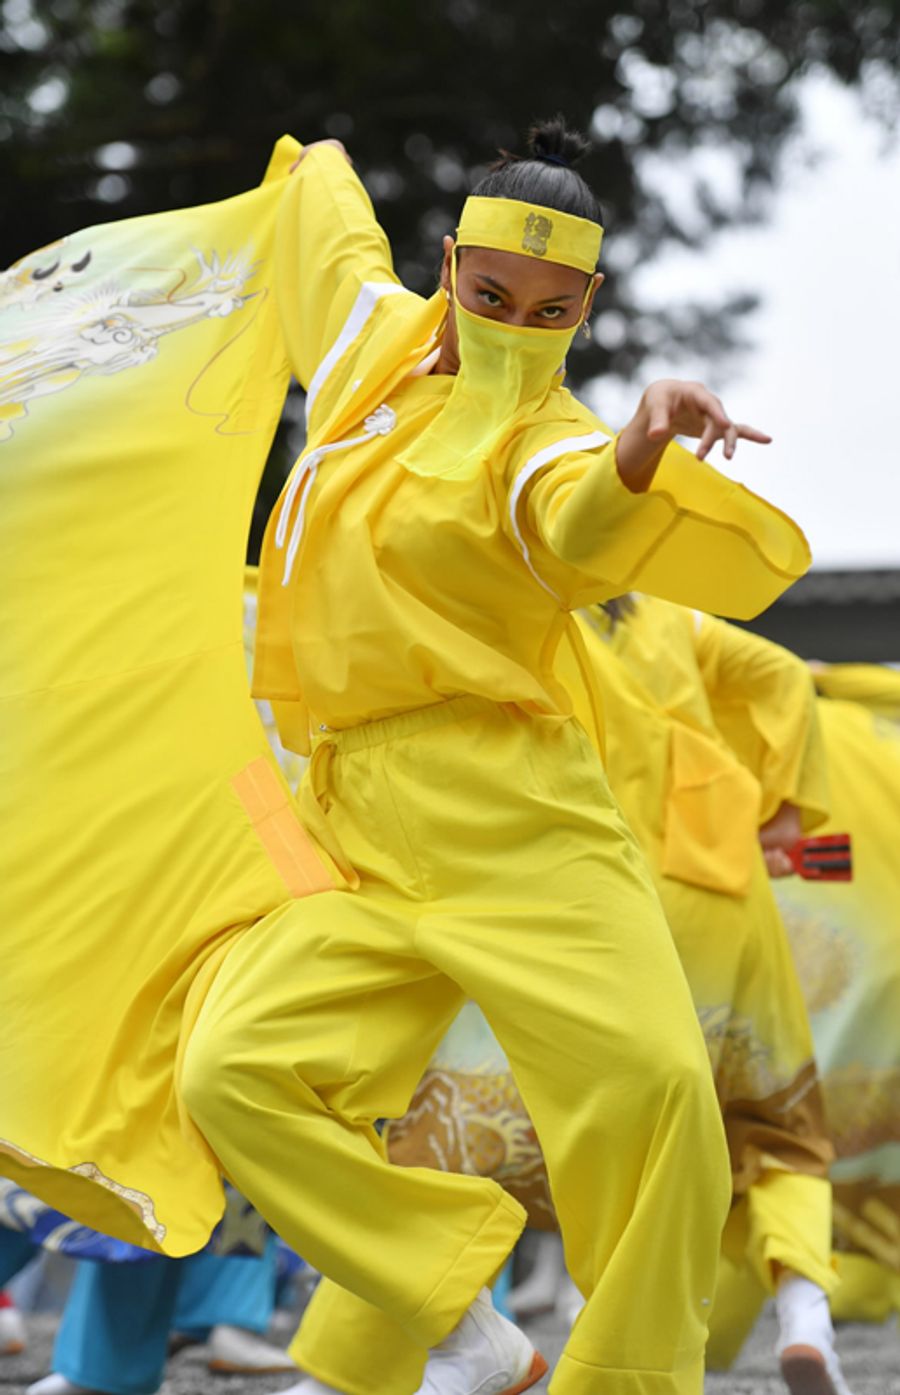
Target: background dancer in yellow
[845,944]
[696,676]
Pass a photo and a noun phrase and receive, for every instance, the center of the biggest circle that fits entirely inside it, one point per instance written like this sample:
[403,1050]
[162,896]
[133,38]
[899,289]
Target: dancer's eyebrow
[498,286]
[489,280]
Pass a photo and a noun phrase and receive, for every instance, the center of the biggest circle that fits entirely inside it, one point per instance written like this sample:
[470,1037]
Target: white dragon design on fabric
[58,325]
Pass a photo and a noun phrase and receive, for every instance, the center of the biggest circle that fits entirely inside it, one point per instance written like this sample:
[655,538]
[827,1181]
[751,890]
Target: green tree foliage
[110,108]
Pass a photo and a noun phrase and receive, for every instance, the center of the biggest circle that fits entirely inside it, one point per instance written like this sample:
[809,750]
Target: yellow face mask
[504,369]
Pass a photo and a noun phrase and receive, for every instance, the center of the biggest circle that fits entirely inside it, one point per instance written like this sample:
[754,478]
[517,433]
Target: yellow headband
[509,225]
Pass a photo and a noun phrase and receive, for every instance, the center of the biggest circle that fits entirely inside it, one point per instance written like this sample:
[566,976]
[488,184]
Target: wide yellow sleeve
[763,701]
[329,246]
[144,819]
[695,537]
[874,686]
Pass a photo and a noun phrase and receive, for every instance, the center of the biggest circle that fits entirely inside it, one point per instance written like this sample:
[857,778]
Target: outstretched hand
[671,408]
[675,408]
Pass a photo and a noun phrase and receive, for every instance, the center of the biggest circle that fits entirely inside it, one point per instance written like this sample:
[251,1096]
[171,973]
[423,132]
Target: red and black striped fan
[825,859]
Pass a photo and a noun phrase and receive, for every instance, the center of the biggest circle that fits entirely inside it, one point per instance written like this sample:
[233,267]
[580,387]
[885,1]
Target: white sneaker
[13,1337]
[236,1349]
[55,1384]
[809,1362]
[485,1354]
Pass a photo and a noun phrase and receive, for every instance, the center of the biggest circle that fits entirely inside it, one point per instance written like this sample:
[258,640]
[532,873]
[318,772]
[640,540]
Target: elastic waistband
[436,714]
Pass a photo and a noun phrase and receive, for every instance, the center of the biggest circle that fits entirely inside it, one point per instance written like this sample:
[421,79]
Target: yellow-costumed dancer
[697,678]
[452,508]
[847,951]
[696,811]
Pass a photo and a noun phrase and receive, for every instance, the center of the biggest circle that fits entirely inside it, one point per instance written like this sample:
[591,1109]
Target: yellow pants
[782,1222]
[358,1349]
[494,865]
[868,1291]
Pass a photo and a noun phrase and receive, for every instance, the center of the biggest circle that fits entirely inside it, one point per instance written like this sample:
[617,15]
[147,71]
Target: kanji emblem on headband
[536,237]
[511,225]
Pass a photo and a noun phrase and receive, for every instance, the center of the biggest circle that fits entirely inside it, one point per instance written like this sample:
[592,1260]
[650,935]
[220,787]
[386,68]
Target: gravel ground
[871,1357]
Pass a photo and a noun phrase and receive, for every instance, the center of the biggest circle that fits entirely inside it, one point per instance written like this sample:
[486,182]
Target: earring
[586,329]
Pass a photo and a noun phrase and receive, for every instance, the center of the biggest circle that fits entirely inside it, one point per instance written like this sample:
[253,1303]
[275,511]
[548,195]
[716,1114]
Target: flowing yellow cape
[143,369]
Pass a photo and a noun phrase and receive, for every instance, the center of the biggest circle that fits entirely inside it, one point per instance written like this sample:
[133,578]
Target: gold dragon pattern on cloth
[846,940]
[143,368]
[467,1116]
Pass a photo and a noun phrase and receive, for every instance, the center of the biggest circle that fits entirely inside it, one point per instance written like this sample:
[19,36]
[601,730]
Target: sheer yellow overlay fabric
[142,372]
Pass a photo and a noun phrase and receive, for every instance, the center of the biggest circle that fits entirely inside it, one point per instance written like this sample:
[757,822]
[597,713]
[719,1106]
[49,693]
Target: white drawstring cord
[300,469]
[297,530]
[382,420]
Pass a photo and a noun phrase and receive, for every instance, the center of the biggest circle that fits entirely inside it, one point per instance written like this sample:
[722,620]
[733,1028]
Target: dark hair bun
[545,175]
[553,140]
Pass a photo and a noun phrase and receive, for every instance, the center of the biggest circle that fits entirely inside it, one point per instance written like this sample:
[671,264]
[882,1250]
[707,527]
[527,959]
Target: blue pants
[115,1329]
[16,1250]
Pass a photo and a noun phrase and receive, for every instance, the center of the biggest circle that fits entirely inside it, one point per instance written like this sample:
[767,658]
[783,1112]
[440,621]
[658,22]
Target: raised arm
[763,701]
[600,519]
[329,247]
[871,685]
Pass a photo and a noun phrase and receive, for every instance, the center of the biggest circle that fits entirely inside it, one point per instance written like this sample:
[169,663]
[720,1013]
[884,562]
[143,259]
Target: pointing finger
[751,433]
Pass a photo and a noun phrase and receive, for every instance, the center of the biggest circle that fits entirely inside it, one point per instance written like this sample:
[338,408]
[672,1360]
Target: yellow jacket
[400,588]
[671,680]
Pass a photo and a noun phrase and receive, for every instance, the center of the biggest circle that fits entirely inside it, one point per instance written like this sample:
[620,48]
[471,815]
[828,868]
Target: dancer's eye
[553,312]
[490,298]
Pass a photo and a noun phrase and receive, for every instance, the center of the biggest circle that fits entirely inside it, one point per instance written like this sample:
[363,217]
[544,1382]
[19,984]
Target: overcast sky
[823,376]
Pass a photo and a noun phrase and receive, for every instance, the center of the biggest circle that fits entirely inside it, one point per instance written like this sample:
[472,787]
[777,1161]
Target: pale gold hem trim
[138,1201]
